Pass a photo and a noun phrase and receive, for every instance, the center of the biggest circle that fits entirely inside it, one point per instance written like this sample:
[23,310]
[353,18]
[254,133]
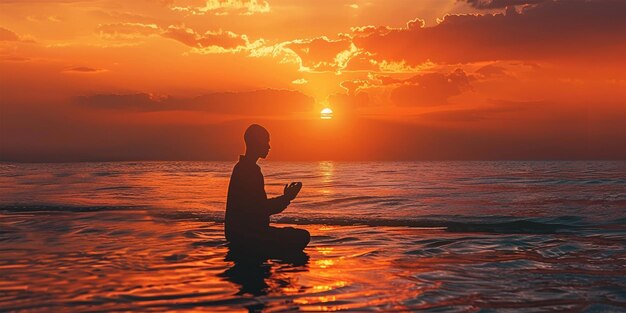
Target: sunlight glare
[326,114]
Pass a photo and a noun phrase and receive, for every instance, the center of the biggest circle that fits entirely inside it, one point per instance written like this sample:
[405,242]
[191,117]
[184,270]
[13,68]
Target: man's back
[245,214]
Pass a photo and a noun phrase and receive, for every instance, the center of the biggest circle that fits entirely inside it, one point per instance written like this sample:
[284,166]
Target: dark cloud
[267,102]
[498,4]
[430,89]
[491,71]
[83,69]
[547,30]
[420,90]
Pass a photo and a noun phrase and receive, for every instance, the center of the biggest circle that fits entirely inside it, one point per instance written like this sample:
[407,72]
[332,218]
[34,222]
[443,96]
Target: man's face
[264,147]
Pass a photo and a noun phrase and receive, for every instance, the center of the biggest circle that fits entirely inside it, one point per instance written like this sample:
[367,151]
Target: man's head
[257,141]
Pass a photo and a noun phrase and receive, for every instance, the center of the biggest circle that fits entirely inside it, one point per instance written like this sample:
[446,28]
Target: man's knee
[289,236]
[296,235]
[303,236]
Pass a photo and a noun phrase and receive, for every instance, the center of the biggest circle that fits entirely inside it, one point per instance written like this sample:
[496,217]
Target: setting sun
[326,114]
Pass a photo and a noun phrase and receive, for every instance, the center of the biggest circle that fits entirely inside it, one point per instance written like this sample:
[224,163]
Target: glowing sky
[406,79]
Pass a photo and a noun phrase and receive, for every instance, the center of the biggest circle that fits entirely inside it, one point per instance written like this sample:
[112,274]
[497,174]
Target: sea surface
[386,236]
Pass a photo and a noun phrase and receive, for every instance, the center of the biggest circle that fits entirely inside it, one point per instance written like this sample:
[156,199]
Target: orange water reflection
[142,261]
[153,262]
[172,256]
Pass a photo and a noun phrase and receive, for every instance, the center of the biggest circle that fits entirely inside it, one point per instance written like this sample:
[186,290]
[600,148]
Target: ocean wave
[33,208]
[499,224]
[450,223]
[505,227]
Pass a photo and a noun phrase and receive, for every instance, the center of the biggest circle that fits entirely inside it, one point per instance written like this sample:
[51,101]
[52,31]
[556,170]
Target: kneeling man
[248,209]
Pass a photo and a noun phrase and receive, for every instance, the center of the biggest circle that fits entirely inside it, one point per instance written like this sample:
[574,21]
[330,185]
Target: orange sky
[424,80]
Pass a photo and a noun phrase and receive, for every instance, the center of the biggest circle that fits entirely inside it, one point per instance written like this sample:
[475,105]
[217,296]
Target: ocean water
[386,236]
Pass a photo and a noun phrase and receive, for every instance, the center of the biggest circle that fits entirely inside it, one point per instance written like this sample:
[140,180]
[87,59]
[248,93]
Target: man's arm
[277,204]
[280,203]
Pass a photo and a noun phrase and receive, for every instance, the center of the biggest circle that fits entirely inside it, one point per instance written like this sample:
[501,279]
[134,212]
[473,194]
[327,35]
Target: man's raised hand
[292,190]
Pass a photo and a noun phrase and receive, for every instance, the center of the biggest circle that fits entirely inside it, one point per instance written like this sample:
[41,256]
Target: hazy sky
[406,79]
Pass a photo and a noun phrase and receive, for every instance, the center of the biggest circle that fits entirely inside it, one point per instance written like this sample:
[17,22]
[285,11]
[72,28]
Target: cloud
[317,55]
[367,61]
[127,30]
[299,81]
[544,30]
[267,102]
[83,69]
[430,89]
[277,51]
[223,7]
[39,18]
[11,36]
[362,61]
[427,89]
[498,4]
[322,54]
[225,40]
[126,16]
[403,67]
[219,41]
[547,30]
[7,35]
[491,70]
[353,87]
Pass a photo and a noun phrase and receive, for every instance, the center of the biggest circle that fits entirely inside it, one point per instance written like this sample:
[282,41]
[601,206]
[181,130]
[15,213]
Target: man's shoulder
[242,166]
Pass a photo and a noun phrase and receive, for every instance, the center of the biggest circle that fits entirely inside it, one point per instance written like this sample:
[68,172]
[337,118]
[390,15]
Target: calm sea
[387,236]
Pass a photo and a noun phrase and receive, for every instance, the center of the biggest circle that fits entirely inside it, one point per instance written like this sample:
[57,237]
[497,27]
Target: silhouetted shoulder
[246,177]
[245,166]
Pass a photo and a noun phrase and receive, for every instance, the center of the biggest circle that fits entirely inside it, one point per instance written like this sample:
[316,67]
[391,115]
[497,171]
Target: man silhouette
[247,207]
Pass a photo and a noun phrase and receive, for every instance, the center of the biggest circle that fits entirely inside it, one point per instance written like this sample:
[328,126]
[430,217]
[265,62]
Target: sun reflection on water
[327,171]
[324,263]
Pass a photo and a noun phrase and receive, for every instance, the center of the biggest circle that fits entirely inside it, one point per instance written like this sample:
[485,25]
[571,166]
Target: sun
[326,114]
